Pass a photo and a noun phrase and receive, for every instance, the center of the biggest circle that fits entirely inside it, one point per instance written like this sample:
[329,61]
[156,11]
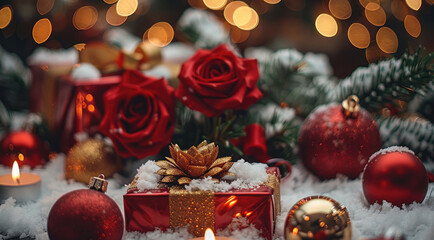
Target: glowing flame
[209,235]
[16,172]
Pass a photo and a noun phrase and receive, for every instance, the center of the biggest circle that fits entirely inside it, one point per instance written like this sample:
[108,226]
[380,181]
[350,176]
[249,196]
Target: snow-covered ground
[416,221]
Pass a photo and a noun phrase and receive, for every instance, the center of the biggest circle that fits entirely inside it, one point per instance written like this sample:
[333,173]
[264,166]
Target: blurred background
[351,33]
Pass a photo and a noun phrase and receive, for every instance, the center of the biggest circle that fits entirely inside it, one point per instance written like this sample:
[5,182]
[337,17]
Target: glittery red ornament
[85,214]
[338,139]
[395,175]
[23,147]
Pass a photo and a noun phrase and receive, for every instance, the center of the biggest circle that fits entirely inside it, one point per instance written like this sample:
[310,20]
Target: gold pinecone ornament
[196,162]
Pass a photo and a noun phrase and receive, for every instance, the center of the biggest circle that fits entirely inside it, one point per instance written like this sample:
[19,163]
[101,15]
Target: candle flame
[209,235]
[16,172]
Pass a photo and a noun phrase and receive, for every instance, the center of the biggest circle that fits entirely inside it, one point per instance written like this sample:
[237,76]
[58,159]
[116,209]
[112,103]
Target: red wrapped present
[79,107]
[173,207]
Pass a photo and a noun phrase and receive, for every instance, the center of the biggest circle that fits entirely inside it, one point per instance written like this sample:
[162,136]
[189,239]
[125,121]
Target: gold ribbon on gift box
[110,59]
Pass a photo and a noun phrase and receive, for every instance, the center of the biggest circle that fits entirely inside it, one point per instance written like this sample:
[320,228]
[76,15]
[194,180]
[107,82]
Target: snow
[147,178]
[84,72]
[415,220]
[53,57]
[390,150]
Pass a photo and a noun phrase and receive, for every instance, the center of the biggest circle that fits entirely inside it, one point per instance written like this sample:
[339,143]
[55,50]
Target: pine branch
[300,81]
[387,81]
[203,28]
[417,135]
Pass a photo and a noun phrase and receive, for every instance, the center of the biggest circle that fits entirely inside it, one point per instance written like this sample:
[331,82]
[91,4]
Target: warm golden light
[359,35]
[272,1]
[399,9]
[80,46]
[215,4]
[230,9]
[414,4]
[246,18]
[295,231]
[44,6]
[340,9]
[375,14]
[89,97]
[5,16]
[20,157]
[16,172]
[126,7]
[113,18]
[85,17]
[239,35]
[412,26]
[110,1]
[365,3]
[91,108]
[41,30]
[160,34]
[326,25]
[209,235]
[387,40]
[306,218]
[374,54]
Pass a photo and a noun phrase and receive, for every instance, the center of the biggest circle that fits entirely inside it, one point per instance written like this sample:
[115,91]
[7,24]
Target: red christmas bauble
[23,147]
[85,214]
[395,175]
[331,142]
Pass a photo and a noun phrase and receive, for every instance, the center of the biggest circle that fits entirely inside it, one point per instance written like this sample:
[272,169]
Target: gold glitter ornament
[318,217]
[90,158]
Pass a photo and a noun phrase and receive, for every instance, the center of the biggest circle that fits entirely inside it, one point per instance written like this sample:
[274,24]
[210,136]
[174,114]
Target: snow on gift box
[195,188]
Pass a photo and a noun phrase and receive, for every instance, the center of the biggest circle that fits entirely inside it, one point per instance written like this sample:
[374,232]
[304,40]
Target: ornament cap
[98,183]
[350,106]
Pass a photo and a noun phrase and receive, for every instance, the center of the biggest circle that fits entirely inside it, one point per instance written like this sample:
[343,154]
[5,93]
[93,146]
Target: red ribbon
[253,143]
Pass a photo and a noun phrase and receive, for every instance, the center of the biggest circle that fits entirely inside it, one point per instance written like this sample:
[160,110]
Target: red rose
[139,115]
[213,81]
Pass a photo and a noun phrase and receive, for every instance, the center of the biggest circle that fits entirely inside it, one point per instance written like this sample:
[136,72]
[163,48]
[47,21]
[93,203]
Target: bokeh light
[215,4]
[44,6]
[260,6]
[110,1]
[359,35]
[272,1]
[365,3]
[375,14]
[246,18]
[80,46]
[326,25]
[295,5]
[239,35]
[412,26]
[126,8]
[160,34]
[5,16]
[399,9]
[340,9]
[85,17]
[41,30]
[387,40]
[230,9]
[414,4]
[113,18]
[374,54]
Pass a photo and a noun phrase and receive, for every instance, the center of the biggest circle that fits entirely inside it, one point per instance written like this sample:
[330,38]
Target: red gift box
[79,107]
[43,89]
[146,211]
